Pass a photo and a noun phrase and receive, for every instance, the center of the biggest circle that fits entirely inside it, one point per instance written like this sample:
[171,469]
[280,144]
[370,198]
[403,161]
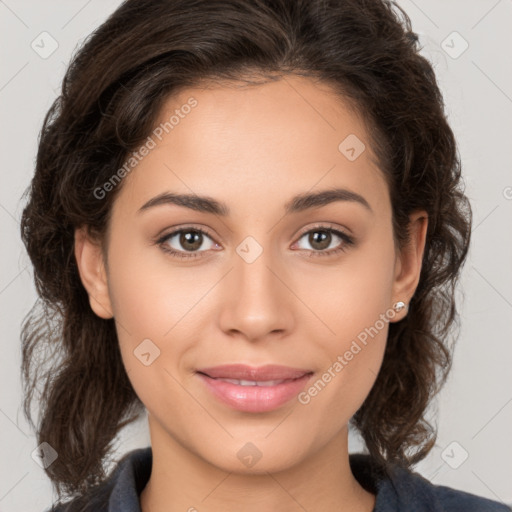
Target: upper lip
[257,374]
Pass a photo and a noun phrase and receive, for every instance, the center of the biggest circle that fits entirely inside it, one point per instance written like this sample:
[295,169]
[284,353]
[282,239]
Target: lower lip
[255,398]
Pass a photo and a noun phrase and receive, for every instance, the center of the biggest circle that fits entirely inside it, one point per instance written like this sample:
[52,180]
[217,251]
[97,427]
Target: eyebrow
[298,203]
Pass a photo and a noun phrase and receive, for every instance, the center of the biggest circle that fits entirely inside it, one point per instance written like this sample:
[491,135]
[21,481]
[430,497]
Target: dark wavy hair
[111,95]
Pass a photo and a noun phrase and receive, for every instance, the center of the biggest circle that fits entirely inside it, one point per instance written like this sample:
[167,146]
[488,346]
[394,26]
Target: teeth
[253,383]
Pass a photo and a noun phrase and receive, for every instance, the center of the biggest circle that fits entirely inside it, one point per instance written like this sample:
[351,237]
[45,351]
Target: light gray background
[475,407]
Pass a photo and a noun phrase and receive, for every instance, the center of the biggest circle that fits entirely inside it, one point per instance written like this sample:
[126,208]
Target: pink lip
[244,372]
[254,398]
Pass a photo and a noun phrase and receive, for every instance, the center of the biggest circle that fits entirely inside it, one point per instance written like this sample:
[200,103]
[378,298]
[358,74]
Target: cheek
[154,300]
[354,304]
[150,304]
[350,296]
[353,358]
[148,295]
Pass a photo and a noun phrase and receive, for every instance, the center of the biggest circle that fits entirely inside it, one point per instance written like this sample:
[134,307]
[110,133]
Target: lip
[261,373]
[254,399]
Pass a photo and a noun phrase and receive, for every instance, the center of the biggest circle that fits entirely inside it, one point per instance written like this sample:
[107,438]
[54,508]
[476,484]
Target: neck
[182,481]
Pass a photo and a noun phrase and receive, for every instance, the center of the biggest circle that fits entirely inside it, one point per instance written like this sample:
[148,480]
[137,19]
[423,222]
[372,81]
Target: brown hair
[111,95]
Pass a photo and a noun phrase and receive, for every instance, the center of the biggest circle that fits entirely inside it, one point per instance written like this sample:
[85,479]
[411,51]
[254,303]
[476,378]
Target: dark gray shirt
[402,491]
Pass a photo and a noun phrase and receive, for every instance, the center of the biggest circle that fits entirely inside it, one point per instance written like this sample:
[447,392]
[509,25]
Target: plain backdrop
[469,42]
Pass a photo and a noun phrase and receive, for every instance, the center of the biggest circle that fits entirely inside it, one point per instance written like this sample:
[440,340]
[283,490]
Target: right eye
[190,239]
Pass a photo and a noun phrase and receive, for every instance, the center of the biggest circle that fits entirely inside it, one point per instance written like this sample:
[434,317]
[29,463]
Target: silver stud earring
[398,306]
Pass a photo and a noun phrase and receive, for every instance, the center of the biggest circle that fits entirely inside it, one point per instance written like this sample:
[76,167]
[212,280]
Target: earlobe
[409,262]
[92,270]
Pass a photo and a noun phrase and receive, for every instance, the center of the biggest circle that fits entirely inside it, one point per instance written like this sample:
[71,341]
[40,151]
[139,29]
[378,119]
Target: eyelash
[347,242]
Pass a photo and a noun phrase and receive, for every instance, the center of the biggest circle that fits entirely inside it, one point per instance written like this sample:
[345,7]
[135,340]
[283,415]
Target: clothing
[403,491]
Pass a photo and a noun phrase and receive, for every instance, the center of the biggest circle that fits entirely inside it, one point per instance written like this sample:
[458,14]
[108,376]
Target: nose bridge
[252,273]
[257,302]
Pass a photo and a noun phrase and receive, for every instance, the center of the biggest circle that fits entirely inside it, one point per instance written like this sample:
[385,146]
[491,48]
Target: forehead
[262,142]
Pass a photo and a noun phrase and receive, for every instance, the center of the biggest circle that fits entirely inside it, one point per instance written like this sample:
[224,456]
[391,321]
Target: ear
[92,270]
[409,260]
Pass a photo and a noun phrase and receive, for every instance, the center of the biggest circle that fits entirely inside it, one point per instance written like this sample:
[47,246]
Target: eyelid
[325,225]
[172,230]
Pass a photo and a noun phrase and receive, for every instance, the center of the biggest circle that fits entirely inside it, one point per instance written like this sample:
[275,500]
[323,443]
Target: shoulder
[443,498]
[119,491]
[454,500]
[401,489]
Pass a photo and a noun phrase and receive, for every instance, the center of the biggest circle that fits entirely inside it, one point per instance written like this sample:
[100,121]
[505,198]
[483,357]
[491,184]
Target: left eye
[320,238]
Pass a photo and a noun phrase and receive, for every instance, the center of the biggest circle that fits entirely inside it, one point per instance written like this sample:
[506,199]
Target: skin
[252,148]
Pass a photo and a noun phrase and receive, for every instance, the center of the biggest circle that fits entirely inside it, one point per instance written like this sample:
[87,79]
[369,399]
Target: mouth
[262,383]
[252,389]
[242,372]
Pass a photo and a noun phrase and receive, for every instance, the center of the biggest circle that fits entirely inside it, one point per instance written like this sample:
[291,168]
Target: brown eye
[191,240]
[186,240]
[321,238]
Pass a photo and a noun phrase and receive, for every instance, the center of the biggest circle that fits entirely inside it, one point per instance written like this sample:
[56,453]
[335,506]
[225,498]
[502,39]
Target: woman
[247,220]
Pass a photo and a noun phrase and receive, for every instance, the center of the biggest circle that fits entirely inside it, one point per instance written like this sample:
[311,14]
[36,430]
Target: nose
[256,299]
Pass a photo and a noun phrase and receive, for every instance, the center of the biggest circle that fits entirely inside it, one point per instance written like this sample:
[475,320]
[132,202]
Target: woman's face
[267,284]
